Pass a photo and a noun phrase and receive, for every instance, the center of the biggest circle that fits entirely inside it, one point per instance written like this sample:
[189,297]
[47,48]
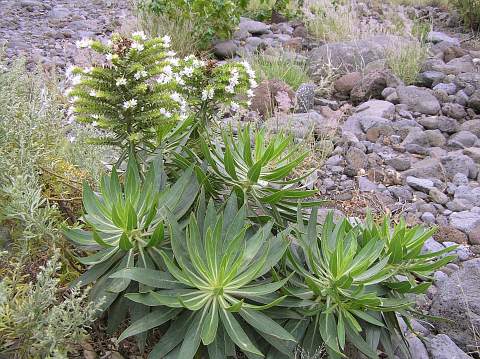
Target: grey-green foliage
[35,323]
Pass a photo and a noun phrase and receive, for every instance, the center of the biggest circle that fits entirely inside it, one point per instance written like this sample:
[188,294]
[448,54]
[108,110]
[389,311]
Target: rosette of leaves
[217,287]
[351,276]
[133,97]
[261,171]
[125,229]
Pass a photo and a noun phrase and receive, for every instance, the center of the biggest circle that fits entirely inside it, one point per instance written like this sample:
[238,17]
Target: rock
[462,139]
[437,36]
[442,347]
[465,221]
[347,82]
[458,300]
[418,99]
[356,159]
[431,245]
[253,27]
[454,110]
[377,108]
[399,163]
[442,123]
[428,217]
[428,138]
[420,184]
[301,125]
[426,168]
[453,52]
[305,97]
[372,85]
[264,99]
[450,234]
[466,193]
[474,236]
[473,153]
[472,126]
[428,78]
[438,196]
[449,88]
[401,192]
[225,49]
[456,162]
[348,56]
[365,185]
[474,101]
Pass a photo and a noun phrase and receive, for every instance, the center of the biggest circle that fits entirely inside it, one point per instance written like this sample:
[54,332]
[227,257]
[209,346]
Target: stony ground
[412,151]
[45,31]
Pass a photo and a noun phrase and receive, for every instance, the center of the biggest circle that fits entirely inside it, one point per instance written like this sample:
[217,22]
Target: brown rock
[300,31]
[264,101]
[347,82]
[372,85]
[474,235]
[453,52]
[450,234]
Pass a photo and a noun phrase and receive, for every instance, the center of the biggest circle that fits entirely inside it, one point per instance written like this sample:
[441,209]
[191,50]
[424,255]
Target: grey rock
[428,78]
[356,159]
[376,108]
[401,192]
[300,125]
[442,347]
[449,88]
[474,101]
[458,300]
[426,168]
[225,49]
[465,221]
[365,185]
[456,162]
[460,179]
[442,123]
[454,110]
[437,36]
[459,205]
[253,27]
[438,196]
[462,139]
[420,184]
[472,126]
[428,138]
[418,99]
[399,163]
[468,194]
[351,55]
[431,245]
[473,153]
[428,217]
[372,85]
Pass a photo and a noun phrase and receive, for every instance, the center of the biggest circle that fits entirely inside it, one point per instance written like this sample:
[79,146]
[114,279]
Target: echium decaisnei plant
[217,288]
[125,229]
[261,171]
[358,276]
[141,93]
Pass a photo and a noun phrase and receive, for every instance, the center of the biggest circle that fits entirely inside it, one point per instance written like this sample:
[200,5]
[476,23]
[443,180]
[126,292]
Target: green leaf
[150,321]
[210,325]
[125,243]
[150,277]
[191,341]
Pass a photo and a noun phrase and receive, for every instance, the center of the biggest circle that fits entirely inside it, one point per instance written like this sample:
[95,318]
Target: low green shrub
[407,60]
[469,11]
[252,271]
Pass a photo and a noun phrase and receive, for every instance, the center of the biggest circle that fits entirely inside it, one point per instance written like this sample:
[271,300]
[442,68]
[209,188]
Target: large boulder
[253,27]
[442,347]
[266,94]
[458,300]
[418,99]
[351,55]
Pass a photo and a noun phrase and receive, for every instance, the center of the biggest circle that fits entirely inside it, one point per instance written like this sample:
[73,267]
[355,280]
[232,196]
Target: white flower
[93,93]
[249,103]
[140,74]
[109,57]
[250,93]
[188,71]
[171,53]
[71,138]
[87,70]
[189,57]
[179,80]
[173,61]
[229,89]
[198,63]
[167,70]
[139,34]
[166,41]
[234,106]
[130,104]
[69,71]
[253,83]
[84,43]
[137,46]
[76,79]
[164,79]
[94,123]
[175,96]
[207,94]
[166,113]
[121,81]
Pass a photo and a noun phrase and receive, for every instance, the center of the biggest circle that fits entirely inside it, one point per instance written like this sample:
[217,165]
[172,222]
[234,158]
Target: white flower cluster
[139,34]
[130,104]
[207,94]
[84,43]
[230,88]
[121,81]
[140,74]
